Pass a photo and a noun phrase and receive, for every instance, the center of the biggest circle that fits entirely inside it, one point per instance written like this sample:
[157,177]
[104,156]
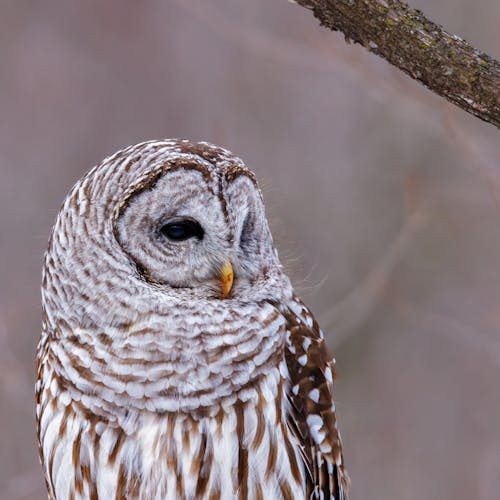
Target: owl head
[173,218]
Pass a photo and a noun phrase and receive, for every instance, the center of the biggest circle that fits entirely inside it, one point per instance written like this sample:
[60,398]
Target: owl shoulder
[312,418]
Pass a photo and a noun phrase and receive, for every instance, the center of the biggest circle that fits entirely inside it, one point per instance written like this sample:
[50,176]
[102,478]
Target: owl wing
[311,416]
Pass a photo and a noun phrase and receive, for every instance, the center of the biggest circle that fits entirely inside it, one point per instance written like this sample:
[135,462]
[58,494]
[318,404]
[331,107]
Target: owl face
[185,227]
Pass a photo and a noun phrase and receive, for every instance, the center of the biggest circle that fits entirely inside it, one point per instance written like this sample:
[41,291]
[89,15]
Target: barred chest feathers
[244,451]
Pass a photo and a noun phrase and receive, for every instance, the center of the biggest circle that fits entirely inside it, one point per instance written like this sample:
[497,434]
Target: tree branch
[446,64]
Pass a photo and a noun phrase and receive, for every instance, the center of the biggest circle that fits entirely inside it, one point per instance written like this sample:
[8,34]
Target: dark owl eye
[182,229]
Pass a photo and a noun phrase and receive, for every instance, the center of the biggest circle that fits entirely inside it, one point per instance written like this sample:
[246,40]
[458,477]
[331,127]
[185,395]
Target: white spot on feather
[315,423]
[309,321]
[307,343]
[314,395]
[295,308]
[325,447]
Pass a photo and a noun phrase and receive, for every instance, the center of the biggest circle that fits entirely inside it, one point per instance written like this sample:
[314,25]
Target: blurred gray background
[384,201]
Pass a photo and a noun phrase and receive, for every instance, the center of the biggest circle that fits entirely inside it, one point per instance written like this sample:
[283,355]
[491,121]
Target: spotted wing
[312,410]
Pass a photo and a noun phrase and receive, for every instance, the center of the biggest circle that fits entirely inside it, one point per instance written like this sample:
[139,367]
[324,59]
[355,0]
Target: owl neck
[182,359]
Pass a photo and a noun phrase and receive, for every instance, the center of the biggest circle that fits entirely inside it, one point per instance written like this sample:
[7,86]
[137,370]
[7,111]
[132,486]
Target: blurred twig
[287,51]
[451,328]
[284,50]
[445,63]
[475,159]
[351,312]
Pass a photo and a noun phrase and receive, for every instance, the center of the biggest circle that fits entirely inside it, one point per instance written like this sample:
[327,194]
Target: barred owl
[175,360]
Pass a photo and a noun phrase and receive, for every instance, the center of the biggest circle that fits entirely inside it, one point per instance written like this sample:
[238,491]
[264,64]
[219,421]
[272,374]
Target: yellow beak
[226,276]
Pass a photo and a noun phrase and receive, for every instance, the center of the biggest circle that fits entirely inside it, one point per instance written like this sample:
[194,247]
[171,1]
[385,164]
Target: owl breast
[245,450]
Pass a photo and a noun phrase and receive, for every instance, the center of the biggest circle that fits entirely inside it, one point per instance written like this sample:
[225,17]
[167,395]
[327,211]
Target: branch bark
[445,63]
